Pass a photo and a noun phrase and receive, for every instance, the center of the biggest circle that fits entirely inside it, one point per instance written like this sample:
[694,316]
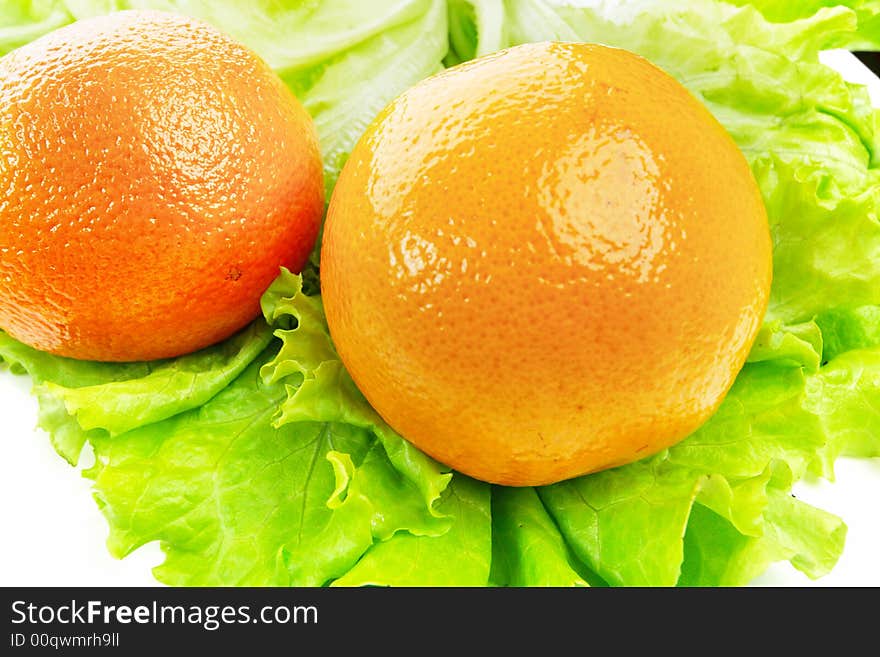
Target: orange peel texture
[545,262]
[156,175]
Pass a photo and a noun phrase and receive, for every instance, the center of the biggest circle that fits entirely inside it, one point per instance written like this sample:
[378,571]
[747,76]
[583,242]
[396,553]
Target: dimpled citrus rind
[156,176]
[545,262]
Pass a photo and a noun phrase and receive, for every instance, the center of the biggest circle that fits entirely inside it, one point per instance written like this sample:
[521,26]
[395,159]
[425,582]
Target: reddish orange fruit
[155,175]
[545,262]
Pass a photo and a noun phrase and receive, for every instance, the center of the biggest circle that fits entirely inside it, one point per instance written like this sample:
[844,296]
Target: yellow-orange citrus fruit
[155,175]
[545,262]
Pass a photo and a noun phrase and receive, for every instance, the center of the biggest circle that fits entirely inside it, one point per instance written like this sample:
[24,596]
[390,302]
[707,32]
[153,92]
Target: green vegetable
[867,11]
[258,461]
[237,492]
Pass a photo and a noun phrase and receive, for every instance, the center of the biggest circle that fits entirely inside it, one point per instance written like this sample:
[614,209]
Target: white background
[52,533]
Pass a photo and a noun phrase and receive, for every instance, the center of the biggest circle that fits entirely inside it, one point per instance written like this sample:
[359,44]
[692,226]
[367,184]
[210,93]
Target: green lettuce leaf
[324,390]
[719,555]
[257,461]
[165,389]
[22,21]
[867,11]
[191,452]
[848,388]
[459,557]
[527,547]
[626,524]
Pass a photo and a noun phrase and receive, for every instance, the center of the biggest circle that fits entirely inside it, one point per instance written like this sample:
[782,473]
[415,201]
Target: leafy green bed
[258,462]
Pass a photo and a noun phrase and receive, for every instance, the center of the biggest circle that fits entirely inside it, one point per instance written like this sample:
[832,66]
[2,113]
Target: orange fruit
[545,262]
[156,175]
